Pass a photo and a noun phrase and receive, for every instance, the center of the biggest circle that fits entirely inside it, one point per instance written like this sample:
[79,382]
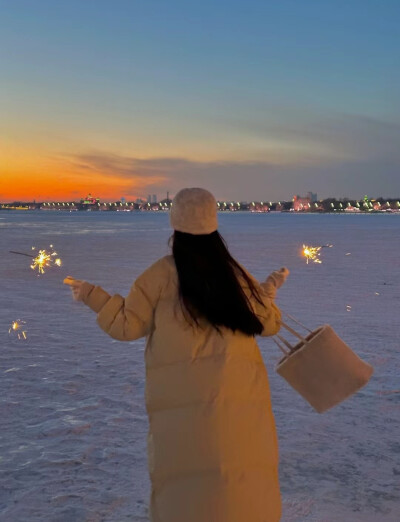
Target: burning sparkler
[43,260]
[17,330]
[312,253]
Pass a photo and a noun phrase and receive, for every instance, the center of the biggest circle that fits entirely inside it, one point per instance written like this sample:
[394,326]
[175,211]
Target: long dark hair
[209,284]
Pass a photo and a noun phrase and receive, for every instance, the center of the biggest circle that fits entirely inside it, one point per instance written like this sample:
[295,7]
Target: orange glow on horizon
[64,183]
[48,188]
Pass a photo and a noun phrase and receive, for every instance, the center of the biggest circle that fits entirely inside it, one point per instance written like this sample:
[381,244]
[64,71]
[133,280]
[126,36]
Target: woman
[212,445]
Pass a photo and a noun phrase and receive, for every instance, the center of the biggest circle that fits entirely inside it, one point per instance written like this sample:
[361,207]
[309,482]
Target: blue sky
[241,97]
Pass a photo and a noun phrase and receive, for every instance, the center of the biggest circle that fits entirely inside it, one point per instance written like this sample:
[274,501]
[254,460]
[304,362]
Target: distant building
[149,198]
[301,203]
[351,208]
[312,196]
[154,198]
[90,200]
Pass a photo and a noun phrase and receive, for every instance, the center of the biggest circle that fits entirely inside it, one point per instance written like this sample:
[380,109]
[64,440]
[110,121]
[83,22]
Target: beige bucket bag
[320,366]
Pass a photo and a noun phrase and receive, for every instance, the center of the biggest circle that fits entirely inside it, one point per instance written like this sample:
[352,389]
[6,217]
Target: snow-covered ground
[73,422]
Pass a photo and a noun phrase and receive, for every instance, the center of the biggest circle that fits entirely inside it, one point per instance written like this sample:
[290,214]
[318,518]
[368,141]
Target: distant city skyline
[153,199]
[127,99]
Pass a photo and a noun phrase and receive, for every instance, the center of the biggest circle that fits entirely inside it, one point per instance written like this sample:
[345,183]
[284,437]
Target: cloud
[171,174]
[323,138]
[247,180]
[340,155]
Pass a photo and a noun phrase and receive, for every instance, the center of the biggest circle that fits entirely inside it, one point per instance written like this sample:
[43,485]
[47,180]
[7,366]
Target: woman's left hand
[278,277]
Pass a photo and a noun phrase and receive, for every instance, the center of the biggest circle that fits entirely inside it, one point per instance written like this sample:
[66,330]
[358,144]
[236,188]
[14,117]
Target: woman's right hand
[76,287]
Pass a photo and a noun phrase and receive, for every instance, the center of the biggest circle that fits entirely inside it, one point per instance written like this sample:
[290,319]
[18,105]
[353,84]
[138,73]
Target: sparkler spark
[17,330]
[45,260]
[312,253]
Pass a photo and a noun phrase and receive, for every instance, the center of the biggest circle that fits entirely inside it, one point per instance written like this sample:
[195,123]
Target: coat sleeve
[132,317]
[269,314]
[266,310]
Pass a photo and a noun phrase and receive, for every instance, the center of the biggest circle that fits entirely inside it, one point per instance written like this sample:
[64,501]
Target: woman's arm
[129,318]
[270,316]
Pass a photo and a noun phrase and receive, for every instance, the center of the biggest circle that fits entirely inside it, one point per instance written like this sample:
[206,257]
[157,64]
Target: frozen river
[73,422]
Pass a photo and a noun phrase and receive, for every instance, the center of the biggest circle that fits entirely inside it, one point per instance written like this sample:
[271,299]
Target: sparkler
[17,330]
[20,253]
[43,260]
[312,253]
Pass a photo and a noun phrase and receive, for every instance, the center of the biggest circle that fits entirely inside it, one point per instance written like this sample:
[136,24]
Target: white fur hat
[194,211]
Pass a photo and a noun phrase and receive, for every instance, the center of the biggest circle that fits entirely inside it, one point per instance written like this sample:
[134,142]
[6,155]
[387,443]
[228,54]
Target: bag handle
[297,322]
[283,342]
[280,346]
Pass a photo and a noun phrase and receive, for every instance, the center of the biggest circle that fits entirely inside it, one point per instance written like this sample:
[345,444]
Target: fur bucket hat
[194,211]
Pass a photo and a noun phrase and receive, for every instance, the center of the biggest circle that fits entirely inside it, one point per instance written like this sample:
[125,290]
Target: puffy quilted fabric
[212,445]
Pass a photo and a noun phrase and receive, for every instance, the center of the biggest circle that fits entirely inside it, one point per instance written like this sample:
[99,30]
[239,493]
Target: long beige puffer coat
[212,446]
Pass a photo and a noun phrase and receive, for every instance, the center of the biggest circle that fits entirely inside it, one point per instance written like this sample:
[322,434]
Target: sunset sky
[256,99]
